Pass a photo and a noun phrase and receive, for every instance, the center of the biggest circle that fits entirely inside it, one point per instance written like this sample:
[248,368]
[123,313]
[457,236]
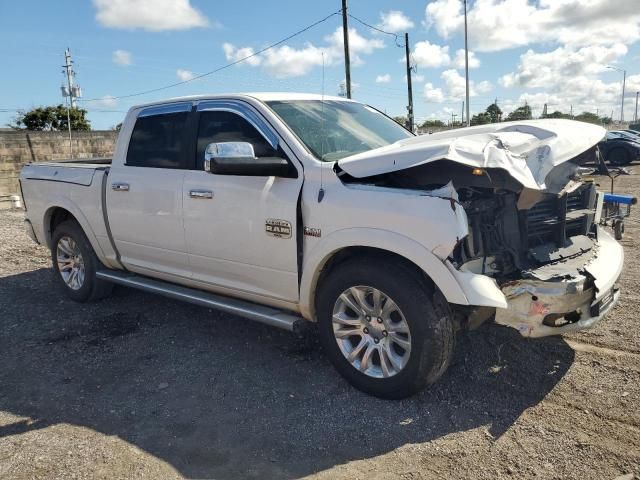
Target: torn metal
[532,221]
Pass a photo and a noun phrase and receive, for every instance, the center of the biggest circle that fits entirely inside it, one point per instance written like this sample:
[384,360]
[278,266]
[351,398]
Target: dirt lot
[137,386]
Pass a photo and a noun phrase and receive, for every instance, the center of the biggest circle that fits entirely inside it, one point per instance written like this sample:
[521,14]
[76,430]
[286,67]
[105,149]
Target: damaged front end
[540,242]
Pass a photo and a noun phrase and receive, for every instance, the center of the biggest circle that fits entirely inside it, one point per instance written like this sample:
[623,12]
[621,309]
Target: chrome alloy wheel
[70,262]
[371,331]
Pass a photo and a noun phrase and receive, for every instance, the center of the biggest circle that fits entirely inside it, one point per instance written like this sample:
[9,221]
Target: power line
[228,65]
[395,35]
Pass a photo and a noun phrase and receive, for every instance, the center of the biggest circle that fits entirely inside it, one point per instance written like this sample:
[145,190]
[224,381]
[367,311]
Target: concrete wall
[20,147]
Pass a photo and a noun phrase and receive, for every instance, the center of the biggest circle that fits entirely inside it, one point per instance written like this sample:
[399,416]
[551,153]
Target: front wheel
[76,264]
[619,157]
[384,328]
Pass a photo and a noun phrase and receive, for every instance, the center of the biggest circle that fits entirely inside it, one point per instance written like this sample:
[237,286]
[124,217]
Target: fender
[73,209]
[413,251]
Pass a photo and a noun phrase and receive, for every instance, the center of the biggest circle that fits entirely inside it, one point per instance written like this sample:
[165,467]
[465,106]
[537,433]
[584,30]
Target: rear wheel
[619,157]
[76,264]
[618,229]
[385,329]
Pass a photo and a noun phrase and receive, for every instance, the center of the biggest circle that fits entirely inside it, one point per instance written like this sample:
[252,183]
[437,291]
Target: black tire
[91,288]
[618,229]
[619,157]
[424,307]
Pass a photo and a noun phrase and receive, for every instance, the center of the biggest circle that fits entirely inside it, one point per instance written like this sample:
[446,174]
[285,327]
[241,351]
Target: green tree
[521,113]
[401,120]
[52,118]
[589,118]
[556,114]
[494,112]
[481,119]
[432,124]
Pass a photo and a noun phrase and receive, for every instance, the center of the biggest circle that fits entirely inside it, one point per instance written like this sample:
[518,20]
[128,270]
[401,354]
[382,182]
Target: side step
[260,313]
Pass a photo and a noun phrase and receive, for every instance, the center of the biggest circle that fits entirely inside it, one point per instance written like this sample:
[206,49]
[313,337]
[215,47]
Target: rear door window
[159,141]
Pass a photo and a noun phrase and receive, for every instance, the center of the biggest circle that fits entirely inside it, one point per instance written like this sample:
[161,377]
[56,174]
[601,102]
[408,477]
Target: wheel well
[370,253]
[55,216]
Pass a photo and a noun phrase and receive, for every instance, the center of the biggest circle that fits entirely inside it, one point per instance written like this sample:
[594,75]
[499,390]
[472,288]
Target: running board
[260,313]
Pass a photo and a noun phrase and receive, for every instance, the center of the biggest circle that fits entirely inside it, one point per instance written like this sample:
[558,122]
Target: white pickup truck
[288,208]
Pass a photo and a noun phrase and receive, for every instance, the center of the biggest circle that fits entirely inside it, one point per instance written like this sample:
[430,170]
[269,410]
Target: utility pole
[407,49]
[571,113]
[466,62]
[462,114]
[635,117]
[347,61]
[624,81]
[68,93]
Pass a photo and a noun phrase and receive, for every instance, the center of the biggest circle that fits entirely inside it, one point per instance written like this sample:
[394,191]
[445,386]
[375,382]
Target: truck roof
[262,96]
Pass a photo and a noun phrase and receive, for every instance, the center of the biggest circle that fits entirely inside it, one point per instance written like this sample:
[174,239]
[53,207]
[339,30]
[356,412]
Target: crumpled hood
[528,150]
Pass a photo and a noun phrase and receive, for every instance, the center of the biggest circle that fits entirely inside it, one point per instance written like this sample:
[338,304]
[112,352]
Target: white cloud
[569,76]
[501,24]
[184,75]
[430,55]
[456,86]
[358,45]
[484,87]
[234,54]
[106,101]
[122,57]
[553,69]
[286,61]
[432,94]
[386,78]
[283,62]
[151,15]
[458,61]
[395,21]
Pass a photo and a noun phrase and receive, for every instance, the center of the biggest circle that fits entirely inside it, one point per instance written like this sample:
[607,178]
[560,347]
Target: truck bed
[79,172]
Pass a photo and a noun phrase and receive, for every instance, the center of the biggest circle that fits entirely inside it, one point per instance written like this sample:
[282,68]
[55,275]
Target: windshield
[336,129]
[623,135]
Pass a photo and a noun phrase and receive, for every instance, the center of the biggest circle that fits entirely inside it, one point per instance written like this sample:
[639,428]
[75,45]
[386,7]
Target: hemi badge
[278,228]
[312,232]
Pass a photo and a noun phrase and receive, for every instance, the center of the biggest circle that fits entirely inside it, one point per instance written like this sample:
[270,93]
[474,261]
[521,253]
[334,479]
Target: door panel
[226,235]
[144,196]
[226,232]
[146,220]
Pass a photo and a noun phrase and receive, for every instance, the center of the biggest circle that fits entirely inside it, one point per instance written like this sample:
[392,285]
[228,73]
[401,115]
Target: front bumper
[539,308]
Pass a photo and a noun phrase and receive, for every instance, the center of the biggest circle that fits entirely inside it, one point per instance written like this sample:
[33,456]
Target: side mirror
[238,158]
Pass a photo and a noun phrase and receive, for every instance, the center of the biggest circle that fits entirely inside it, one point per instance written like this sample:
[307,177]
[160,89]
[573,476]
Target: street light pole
[624,82]
[635,117]
[466,62]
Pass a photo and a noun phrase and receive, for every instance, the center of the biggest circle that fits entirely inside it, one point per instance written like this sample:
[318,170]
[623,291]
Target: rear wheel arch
[53,217]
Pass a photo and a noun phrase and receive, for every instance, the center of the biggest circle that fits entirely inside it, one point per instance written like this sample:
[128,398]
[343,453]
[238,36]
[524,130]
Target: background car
[620,148]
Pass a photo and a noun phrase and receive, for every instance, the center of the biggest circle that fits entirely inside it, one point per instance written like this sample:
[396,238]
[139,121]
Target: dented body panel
[538,308]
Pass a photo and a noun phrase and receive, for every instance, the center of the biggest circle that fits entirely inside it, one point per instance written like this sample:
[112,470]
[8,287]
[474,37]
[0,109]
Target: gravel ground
[137,386]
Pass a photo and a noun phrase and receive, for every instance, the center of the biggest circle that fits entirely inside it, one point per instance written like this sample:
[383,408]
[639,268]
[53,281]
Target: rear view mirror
[238,158]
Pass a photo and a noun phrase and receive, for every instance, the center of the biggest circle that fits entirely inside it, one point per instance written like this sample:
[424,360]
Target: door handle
[120,187]
[204,194]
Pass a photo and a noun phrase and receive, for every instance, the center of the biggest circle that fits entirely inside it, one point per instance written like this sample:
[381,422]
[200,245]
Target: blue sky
[545,51]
